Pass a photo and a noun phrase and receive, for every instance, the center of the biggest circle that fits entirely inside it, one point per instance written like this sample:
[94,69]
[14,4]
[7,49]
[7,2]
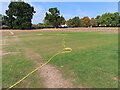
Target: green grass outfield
[93,63]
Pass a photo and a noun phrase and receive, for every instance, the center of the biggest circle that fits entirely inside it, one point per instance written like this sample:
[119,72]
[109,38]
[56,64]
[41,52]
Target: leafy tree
[115,19]
[0,16]
[69,23]
[62,20]
[85,21]
[53,17]
[93,22]
[105,19]
[109,19]
[46,22]
[3,20]
[0,19]
[19,15]
[97,17]
[97,20]
[74,22]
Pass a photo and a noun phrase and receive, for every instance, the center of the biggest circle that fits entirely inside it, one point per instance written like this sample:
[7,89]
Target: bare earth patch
[53,78]
[51,75]
[115,78]
[30,54]
[5,53]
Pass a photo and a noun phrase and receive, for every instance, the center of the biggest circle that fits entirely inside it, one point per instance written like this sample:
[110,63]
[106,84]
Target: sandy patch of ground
[53,78]
[115,78]
[32,55]
[51,75]
[11,53]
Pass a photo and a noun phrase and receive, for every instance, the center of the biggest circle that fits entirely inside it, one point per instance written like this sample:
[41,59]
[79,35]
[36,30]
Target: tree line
[19,16]
[107,19]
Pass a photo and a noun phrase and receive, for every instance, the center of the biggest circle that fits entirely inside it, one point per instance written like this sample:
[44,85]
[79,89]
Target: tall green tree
[115,19]
[46,22]
[53,17]
[109,19]
[62,20]
[105,19]
[74,22]
[0,16]
[3,21]
[69,23]
[0,20]
[19,15]
[97,18]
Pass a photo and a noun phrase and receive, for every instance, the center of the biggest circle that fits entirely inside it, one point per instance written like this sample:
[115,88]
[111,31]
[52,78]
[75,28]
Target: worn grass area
[17,66]
[92,63]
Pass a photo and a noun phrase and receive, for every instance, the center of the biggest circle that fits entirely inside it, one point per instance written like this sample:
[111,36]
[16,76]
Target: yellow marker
[65,50]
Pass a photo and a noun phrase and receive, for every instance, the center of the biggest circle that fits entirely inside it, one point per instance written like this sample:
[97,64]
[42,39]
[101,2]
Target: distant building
[35,25]
[3,26]
[65,25]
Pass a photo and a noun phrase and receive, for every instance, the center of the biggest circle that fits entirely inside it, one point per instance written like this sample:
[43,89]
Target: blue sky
[69,9]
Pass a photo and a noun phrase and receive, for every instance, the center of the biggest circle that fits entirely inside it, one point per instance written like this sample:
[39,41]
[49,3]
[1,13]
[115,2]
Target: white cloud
[39,15]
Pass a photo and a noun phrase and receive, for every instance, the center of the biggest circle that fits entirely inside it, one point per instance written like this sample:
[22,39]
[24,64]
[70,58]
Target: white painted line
[39,34]
[12,33]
